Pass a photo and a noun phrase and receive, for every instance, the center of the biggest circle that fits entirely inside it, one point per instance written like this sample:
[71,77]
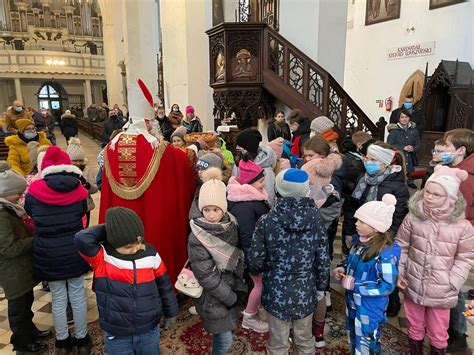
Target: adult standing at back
[44,122]
[278,127]
[417,115]
[191,122]
[14,113]
[113,123]
[92,112]
[69,125]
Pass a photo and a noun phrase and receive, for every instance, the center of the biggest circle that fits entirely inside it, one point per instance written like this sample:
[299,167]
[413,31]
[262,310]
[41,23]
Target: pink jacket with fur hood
[320,170]
[437,252]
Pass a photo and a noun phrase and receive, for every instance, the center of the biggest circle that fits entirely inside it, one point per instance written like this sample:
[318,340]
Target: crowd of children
[262,227]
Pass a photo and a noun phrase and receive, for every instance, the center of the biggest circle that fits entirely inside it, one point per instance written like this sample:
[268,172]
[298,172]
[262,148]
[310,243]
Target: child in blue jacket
[131,283]
[369,274]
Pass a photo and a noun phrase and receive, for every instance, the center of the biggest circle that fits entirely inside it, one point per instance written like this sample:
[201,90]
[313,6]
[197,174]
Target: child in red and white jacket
[131,283]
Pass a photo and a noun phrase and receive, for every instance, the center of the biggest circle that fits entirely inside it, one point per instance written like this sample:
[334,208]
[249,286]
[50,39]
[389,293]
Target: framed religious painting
[381,10]
[435,4]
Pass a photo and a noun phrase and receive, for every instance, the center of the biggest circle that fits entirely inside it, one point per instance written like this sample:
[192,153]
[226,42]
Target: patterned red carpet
[188,336]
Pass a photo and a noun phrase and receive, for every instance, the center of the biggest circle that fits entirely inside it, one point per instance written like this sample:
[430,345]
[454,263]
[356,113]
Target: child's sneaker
[319,342]
[251,321]
[328,301]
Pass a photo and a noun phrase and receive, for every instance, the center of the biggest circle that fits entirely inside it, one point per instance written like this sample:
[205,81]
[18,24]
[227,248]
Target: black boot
[33,347]
[456,343]
[64,347]
[83,345]
[41,334]
[437,351]
[416,347]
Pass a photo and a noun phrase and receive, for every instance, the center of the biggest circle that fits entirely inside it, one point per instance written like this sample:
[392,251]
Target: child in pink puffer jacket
[437,245]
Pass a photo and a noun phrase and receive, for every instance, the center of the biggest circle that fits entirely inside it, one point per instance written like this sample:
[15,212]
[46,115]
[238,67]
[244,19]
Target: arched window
[49,97]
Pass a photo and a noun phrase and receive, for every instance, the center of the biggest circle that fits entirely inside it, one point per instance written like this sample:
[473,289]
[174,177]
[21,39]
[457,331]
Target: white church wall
[369,76]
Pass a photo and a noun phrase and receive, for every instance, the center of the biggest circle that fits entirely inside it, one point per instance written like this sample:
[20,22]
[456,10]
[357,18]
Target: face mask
[447,158]
[45,114]
[408,105]
[18,108]
[82,167]
[113,116]
[30,135]
[372,167]
[161,116]
[312,134]
[175,109]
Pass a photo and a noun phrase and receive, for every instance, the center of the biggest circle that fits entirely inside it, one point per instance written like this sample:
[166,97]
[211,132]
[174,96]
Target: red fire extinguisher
[388,104]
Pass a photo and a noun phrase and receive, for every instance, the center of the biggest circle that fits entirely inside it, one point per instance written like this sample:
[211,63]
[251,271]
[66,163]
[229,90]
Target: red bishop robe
[158,185]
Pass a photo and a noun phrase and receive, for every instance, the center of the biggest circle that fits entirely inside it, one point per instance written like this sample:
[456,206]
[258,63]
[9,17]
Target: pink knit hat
[277,146]
[378,214]
[249,171]
[448,178]
[189,109]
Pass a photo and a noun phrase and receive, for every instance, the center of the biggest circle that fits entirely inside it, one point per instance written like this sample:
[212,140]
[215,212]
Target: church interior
[236,64]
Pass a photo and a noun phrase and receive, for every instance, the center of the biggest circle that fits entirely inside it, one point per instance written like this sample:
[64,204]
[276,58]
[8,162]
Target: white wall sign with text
[412,50]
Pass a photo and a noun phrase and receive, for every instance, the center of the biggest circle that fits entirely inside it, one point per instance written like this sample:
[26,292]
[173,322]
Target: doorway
[52,96]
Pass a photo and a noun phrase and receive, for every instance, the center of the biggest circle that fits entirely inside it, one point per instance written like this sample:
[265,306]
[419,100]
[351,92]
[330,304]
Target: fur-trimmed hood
[320,170]
[415,207]
[393,126]
[238,192]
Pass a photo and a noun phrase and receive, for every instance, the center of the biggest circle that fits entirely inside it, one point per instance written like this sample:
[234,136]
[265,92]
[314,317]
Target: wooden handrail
[307,79]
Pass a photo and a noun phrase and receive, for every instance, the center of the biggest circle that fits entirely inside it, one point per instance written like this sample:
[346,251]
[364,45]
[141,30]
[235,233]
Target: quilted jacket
[290,247]
[437,253]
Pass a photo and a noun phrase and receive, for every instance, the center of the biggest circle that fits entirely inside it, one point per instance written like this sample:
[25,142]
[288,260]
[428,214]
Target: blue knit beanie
[292,183]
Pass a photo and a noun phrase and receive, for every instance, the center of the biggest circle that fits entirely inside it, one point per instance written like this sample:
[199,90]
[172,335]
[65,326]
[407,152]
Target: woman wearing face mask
[385,174]
[18,153]
[405,137]
[175,116]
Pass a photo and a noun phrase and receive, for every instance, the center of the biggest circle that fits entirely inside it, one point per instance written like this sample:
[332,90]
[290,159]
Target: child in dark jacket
[56,203]
[247,202]
[16,263]
[369,274]
[131,283]
[290,248]
[217,263]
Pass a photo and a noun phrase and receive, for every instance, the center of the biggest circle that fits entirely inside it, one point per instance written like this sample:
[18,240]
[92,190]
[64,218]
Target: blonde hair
[377,245]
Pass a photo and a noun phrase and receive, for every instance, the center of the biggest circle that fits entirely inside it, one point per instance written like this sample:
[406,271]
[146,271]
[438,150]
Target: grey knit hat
[292,183]
[11,183]
[321,124]
[210,160]
[123,227]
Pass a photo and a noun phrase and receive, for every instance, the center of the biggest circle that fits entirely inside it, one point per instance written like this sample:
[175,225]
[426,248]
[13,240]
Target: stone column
[87,92]
[18,93]
[111,12]
[141,46]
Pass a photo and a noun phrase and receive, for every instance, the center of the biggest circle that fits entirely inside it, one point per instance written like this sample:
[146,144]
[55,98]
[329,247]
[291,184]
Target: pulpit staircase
[283,72]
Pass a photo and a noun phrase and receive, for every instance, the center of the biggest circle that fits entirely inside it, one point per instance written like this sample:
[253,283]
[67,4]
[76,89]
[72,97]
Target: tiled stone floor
[42,304]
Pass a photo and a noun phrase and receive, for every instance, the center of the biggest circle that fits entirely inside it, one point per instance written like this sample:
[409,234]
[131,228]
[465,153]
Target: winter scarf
[373,182]
[40,190]
[212,236]
[19,210]
[329,135]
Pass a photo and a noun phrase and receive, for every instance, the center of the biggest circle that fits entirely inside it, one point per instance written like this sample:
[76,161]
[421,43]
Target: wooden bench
[92,129]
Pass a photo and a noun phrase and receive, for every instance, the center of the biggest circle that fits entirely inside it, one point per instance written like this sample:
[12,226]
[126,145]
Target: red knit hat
[57,160]
[249,172]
